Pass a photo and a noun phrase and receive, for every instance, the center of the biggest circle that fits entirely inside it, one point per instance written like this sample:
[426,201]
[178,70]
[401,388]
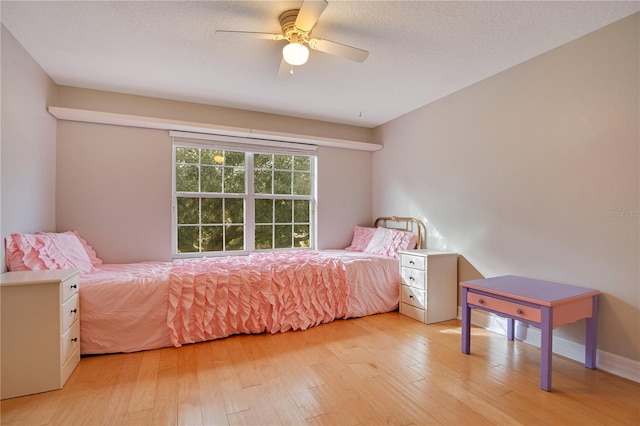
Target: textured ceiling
[419,50]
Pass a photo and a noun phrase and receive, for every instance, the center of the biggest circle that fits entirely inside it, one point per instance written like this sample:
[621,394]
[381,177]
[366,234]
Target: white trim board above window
[258,135]
[232,142]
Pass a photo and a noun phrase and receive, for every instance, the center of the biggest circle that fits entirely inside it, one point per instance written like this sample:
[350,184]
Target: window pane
[264,237]
[212,210]
[186,155]
[234,238]
[301,236]
[212,238]
[281,182]
[186,178]
[301,211]
[262,182]
[212,156]
[264,211]
[283,162]
[263,161]
[233,158]
[283,211]
[234,180]
[233,210]
[218,157]
[283,236]
[211,177]
[301,183]
[302,163]
[188,239]
[188,210]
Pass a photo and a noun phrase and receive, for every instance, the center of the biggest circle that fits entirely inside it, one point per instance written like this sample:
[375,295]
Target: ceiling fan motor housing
[289,29]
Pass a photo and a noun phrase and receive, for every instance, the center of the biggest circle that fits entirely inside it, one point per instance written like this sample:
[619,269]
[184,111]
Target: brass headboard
[404,223]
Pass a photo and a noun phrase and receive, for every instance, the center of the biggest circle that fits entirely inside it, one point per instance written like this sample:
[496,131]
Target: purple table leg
[591,341]
[510,327]
[466,323]
[546,329]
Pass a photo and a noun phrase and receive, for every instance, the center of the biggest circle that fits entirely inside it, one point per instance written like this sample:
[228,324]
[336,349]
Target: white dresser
[429,287]
[40,330]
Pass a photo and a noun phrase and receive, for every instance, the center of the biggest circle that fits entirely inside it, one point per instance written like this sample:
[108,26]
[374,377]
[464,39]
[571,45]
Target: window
[234,199]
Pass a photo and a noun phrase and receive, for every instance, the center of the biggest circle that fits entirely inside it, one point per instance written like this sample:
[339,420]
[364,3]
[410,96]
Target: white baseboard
[605,361]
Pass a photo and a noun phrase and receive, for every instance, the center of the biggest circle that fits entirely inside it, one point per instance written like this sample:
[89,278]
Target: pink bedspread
[132,307]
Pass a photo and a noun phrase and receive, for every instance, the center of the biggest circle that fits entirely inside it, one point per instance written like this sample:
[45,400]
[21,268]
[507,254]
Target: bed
[150,305]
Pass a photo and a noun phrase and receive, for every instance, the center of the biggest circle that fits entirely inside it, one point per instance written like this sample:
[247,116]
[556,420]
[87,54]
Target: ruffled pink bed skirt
[273,292]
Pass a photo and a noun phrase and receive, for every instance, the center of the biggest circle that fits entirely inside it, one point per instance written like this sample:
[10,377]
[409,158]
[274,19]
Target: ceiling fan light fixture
[295,53]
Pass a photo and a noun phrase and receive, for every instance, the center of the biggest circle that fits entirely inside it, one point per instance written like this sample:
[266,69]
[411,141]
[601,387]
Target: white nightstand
[40,330]
[429,288]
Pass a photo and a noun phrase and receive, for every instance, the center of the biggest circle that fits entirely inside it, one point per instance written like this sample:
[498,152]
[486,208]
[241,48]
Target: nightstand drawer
[411,261]
[413,278]
[70,312]
[70,287]
[515,310]
[70,341]
[413,296]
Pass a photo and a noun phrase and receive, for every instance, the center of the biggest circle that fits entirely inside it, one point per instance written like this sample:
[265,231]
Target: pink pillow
[95,260]
[41,251]
[361,237]
[388,242]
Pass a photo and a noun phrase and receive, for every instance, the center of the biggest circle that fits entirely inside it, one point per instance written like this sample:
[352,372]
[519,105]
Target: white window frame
[248,146]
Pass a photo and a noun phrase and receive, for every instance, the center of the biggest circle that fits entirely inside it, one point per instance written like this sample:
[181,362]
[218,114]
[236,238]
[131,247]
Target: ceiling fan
[296,27]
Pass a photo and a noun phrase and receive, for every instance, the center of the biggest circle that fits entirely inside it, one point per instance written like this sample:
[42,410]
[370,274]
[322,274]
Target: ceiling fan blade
[309,13]
[285,69]
[338,49]
[250,34]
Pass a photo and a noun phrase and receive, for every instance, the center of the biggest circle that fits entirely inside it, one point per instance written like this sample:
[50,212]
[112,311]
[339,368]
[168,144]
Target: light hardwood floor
[382,369]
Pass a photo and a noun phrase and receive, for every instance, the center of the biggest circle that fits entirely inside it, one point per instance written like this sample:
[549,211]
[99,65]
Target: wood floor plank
[260,405]
[122,389]
[189,409]
[381,369]
[212,372]
[280,399]
[165,407]
[144,389]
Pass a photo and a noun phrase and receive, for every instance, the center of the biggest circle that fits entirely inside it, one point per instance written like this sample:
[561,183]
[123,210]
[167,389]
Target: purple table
[543,304]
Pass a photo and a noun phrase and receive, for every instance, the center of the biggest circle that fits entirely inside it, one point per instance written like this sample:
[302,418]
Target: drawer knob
[411,262]
[74,311]
[75,339]
[519,311]
[481,301]
[412,279]
[411,296]
[73,286]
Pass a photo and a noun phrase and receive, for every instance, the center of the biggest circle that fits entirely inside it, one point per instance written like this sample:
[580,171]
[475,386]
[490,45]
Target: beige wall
[28,148]
[114,188]
[534,172]
[344,195]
